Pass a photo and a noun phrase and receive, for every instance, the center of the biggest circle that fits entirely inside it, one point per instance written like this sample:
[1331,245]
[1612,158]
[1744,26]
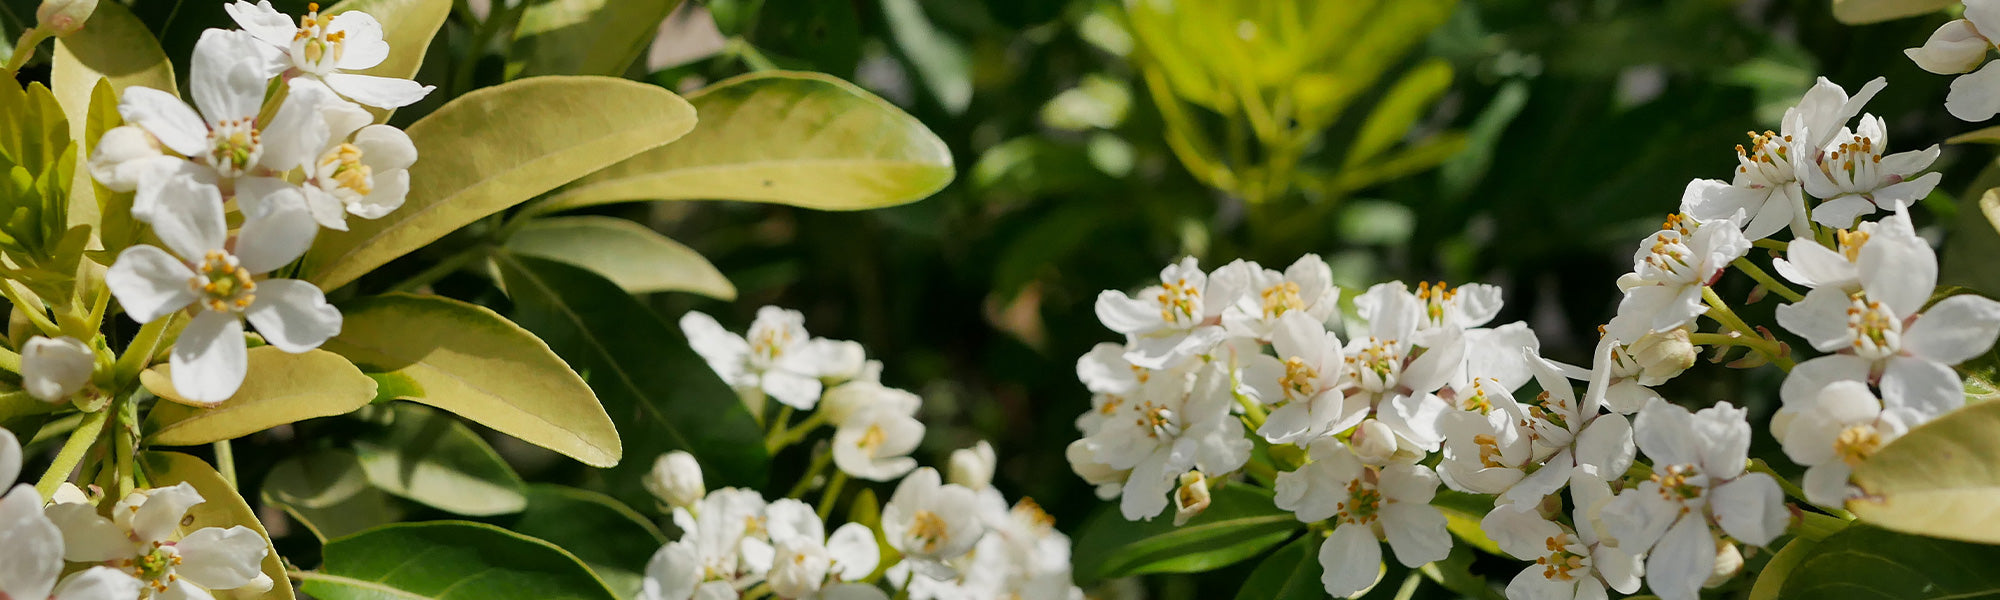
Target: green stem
[225,462]
[778,425]
[124,444]
[24,49]
[1757,465]
[795,434]
[819,462]
[10,361]
[752,57]
[1765,279]
[1409,588]
[140,352]
[1720,312]
[72,452]
[831,496]
[1770,244]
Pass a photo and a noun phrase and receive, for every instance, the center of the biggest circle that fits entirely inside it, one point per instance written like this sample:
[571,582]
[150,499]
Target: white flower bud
[1662,355]
[1373,442]
[119,159]
[64,17]
[1728,562]
[54,369]
[1192,497]
[676,479]
[1956,47]
[973,467]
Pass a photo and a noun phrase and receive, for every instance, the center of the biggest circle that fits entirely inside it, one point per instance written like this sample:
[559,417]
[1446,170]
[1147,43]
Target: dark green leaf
[1241,522]
[449,560]
[1291,573]
[1864,562]
[615,541]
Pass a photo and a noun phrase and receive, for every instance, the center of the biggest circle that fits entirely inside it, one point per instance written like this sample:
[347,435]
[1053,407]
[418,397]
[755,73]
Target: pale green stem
[140,352]
[795,434]
[10,361]
[225,462]
[1410,583]
[1770,244]
[831,497]
[1720,312]
[35,311]
[752,57]
[72,452]
[778,425]
[1765,279]
[819,462]
[24,49]
[124,444]
[1759,466]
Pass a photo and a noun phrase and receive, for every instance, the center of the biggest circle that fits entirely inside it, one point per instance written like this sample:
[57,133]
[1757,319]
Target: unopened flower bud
[1728,562]
[54,369]
[64,17]
[1662,355]
[122,156]
[1374,442]
[1956,47]
[1191,499]
[676,479]
[973,467]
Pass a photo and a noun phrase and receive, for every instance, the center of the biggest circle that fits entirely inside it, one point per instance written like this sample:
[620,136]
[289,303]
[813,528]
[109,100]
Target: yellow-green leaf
[1987,135]
[804,139]
[429,457]
[223,507]
[112,45]
[496,147]
[465,359]
[408,26]
[629,254]
[1939,480]
[279,388]
[1399,109]
[1862,12]
[584,37]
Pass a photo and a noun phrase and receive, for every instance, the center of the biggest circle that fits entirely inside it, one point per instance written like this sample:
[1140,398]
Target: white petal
[1606,445]
[182,589]
[1955,329]
[293,315]
[299,130]
[1351,560]
[851,591]
[281,234]
[1723,432]
[379,92]
[261,20]
[1985,17]
[792,389]
[10,457]
[326,209]
[1146,489]
[1802,386]
[1841,212]
[672,573]
[1683,561]
[149,283]
[1416,533]
[166,117]
[363,47]
[228,73]
[86,536]
[1954,48]
[222,559]
[1125,314]
[98,583]
[1820,318]
[209,361]
[1901,281]
[1665,432]
[1809,264]
[1530,584]
[160,516]
[1826,484]
[1751,509]
[1975,96]
[723,350]
[1931,389]
[51,370]
[1638,517]
[385,148]
[854,550]
[31,547]
[188,217]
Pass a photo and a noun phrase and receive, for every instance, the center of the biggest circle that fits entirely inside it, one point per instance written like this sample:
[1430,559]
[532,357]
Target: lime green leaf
[643,370]
[942,63]
[408,26]
[1862,12]
[629,254]
[449,560]
[432,458]
[222,507]
[1240,523]
[279,388]
[1940,479]
[1399,110]
[803,139]
[1291,573]
[1771,580]
[1869,563]
[1986,135]
[15,403]
[584,37]
[328,492]
[496,147]
[113,45]
[615,541]
[469,360]
[1462,514]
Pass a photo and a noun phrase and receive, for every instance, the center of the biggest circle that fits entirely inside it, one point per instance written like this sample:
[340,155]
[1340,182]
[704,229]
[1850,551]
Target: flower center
[1435,298]
[1562,561]
[223,284]
[1856,444]
[313,43]
[930,529]
[1299,379]
[769,343]
[1282,297]
[156,568]
[872,439]
[1680,483]
[234,146]
[1878,334]
[1379,365]
[1489,451]
[343,169]
[1476,401]
[1670,260]
[1158,420]
[1363,502]
[1768,160]
[1851,243]
[1180,303]
[1553,409]
[1855,164]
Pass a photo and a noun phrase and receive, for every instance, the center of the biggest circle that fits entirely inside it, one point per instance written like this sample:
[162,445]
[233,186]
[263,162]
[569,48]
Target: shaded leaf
[629,254]
[449,560]
[1291,573]
[584,37]
[432,458]
[221,507]
[609,537]
[328,492]
[1240,523]
[1866,562]
[1862,12]
[279,388]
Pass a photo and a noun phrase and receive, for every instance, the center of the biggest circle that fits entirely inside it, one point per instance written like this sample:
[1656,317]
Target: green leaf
[803,139]
[1241,522]
[584,37]
[1984,135]
[408,26]
[449,560]
[615,541]
[469,360]
[432,458]
[1771,580]
[643,370]
[221,507]
[328,492]
[496,147]
[112,45]
[279,388]
[1399,110]
[1868,563]
[1940,479]
[942,63]
[1462,514]
[629,254]
[1291,573]
[1862,12]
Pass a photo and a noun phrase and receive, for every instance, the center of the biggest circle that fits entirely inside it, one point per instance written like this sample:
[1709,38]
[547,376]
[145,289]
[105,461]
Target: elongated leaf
[496,147]
[803,139]
[584,37]
[1399,109]
[942,63]
[112,45]
[221,507]
[1940,479]
[1983,135]
[449,560]
[431,458]
[469,360]
[615,541]
[329,493]
[1868,563]
[1291,573]
[279,388]
[1862,12]
[1240,523]
[643,370]
[629,254]
[1771,580]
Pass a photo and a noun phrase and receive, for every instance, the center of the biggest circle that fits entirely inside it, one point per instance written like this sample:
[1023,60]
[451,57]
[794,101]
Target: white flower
[1308,376]
[1180,318]
[1669,271]
[1391,377]
[1368,505]
[1570,563]
[1192,498]
[330,49]
[1462,308]
[806,559]
[98,583]
[1577,439]
[1487,449]
[1167,429]
[1109,480]
[31,548]
[875,444]
[931,522]
[1494,356]
[64,17]
[1767,189]
[675,480]
[53,369]
[144,539]
[1698,478]
[367,176]
[1958,47]
[1889,243]
[1305,287]
[1845,427]
[723,547]
[777,358]
[1854,177]
[1652,360]
[863,395]
[1022,555]
[973,467]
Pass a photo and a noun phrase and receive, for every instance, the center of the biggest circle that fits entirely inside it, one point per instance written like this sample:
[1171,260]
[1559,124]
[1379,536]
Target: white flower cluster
[955,539]
[290,161]
[1960,46]
[140,552]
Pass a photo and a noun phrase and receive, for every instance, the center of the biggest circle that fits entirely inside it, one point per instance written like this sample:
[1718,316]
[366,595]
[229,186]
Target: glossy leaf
[221,507]
[584,37]
[449,560]
[1291,573]
[643,370]
[615,541]
[804,139]
[1869,563]
[496,147]
[629,254]
[1771,580]
[1240,523]
[328,492]
[1940,479]
[469,360]
[279,388]
[432,458]
[1861,12]
[113,45]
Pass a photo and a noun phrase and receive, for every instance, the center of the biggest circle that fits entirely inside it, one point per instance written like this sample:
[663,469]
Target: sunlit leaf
[432,458]
[629,254]
[1940,479]
[449,560]
[279,388]
[112,45]
[221,507]
[1405,102]
[942,63]
[584,37]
